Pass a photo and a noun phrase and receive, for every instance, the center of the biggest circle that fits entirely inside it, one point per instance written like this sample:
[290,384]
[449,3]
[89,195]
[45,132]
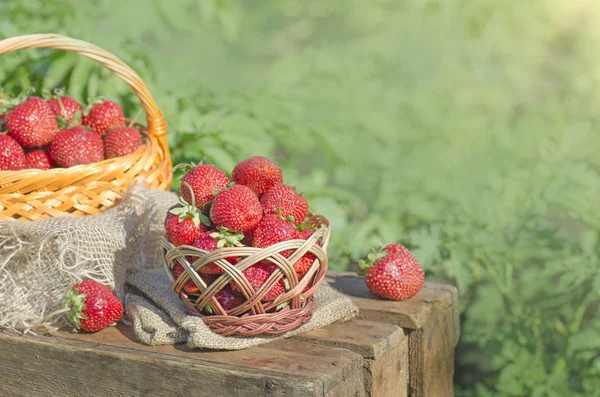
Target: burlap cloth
[172,324]
[41,260]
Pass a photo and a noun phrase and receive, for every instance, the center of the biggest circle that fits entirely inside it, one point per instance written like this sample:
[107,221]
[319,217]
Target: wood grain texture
[431,357]
[431,321]
[384,348]
[106,364]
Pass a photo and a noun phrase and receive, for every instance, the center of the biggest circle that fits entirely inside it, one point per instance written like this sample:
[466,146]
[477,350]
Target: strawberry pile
[255,208]
[392,273]
[58,133]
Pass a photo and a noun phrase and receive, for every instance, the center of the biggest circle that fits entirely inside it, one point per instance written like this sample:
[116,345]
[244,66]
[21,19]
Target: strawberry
[212,240]
[282,199]
[258,173]
[182,224]
[39,159]
[229,299]
[394,275]
[65,107]
[305,262]
[203,179]
[121,141]
[272,230]
[248,238]
[12,156]
[190,287]
[32,123]
[91,306]
[257,275]
[76,145]
[103,116]
[236,209]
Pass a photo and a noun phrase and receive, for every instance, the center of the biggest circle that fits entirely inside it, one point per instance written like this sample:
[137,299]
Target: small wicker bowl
[253,317]
[90,188]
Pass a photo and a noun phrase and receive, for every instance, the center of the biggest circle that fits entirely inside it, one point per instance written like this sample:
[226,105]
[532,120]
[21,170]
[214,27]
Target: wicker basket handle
[157,125]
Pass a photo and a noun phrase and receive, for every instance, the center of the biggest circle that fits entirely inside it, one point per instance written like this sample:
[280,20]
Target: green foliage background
[467,129]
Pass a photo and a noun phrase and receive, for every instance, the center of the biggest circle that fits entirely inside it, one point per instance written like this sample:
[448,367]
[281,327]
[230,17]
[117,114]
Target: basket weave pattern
[253,317]
[91,188]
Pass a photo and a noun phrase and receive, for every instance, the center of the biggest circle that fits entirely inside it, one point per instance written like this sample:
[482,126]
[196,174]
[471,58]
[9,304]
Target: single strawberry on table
[75,146]
[38,159]
[31,123]
[91,306]
[204,180]
[258,173]
[121,141]
[212,240]
[12,156]
[183,224]
[65,107]
[103,116]
[236,208]
[393,273]
[284,200]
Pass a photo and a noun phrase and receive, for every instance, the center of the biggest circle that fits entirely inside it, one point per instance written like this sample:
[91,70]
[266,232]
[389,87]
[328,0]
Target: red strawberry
[393,276]
[272,230]
[69,107]
[104,116]
[258,173]
[305,262]
[248,238]
[210,241]
[92,306]
[397,249]
[12,156]
[190,287]
[257,275]
[283,199]
[32,123]
[39,159]
[236,209]
[76,145]
[229,299]
[204,179]
[121,141]
[182,225]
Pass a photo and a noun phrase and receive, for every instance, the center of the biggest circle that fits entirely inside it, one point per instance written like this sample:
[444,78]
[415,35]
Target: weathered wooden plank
[384,348]
[67,364]
[431,320]
[431,357]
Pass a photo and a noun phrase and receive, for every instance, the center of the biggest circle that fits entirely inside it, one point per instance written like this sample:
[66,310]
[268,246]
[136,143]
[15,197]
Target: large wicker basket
[253,317]
[92,188]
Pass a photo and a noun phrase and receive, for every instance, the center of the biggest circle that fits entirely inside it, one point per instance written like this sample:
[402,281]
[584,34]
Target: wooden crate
[391,347]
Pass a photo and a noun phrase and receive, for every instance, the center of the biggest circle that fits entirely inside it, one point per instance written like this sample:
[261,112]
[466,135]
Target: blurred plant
[465,129]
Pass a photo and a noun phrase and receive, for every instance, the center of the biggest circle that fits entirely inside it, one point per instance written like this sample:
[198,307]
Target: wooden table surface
[391,347]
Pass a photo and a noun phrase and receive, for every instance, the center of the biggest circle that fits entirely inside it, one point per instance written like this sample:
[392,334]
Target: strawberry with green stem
[66,109]
[392,273]
[90,305]
[258,173]
[213,240]
[284,200]
[203,181]
[31,122]
[103,115]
